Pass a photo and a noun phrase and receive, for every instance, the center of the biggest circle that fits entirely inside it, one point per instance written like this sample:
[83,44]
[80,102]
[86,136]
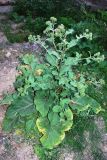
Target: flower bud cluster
[98,57]
[53,19]
[88,35]
[60,30]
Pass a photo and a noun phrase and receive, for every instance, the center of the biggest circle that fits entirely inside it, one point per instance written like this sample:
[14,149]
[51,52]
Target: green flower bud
[57,32]
[87,30]
[48,23]
[61,27]
[53,19]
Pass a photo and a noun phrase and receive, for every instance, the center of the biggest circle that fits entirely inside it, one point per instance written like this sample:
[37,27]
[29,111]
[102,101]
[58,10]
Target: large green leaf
[84,103]
[9,124]
[43,102]
[52,59]
[23,106]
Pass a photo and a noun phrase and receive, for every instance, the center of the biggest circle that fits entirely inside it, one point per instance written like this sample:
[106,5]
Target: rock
[7,78]
[6,9]
[5,2]
[3,39]
[8,54]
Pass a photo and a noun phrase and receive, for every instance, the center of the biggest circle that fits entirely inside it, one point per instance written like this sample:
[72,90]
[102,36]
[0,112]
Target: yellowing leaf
[54,130]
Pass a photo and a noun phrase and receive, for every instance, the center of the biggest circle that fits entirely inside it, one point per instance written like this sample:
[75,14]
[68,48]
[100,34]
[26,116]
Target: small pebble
[8,54]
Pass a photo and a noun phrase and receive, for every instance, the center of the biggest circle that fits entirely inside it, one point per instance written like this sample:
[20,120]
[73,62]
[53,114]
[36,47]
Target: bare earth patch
[7,78]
